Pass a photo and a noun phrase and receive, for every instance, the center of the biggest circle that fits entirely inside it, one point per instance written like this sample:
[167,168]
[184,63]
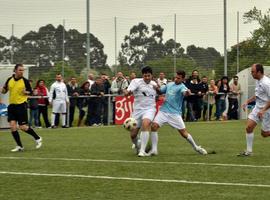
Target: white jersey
[58,92]
[262,92]
[144,94]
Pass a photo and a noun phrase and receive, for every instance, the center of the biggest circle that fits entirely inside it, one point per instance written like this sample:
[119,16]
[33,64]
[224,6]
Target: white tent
[247,84]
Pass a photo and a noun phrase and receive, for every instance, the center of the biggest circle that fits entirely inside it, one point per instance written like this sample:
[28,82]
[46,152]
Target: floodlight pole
[225,38]
[174,56]
[88,34]
[237,57]
[63,51]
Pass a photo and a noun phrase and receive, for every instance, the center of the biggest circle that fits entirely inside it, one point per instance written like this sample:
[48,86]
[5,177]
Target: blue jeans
[34,116]
[221,107]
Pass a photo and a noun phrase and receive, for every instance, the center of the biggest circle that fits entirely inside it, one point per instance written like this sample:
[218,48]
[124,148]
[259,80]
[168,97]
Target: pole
[225,37]
[115,43]
[174,56]
[88,34]
[11,52]
[63,51]
[237,57]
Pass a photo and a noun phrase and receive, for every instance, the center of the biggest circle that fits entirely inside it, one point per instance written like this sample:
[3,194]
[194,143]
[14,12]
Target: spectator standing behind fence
[43,102]
[73,93]
[224,89]
[91,80]
[209,98]
[33,108]
[119,84]
[83,102]
[58,98]
[192,100]
[235,90]
[104,102]
[96,102]
[162,80]
[203,88]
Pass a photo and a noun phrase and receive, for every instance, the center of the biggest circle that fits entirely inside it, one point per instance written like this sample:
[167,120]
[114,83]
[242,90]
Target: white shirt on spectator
[60,90]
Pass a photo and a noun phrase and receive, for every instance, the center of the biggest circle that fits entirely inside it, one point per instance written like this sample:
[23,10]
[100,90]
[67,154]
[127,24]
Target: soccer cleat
[17,149]
[201,150]
[38,143]
[142,154]
[245,154]
[152,153]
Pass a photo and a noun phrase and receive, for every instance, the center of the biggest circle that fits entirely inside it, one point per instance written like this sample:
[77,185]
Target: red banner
[124,107]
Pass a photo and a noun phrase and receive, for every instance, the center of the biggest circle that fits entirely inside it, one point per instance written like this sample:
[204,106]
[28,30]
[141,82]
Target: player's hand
[126,93]
[244,107]
[26,92]
[261,114]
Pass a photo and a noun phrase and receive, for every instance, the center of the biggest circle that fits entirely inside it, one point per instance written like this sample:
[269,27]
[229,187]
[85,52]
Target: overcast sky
[199,22]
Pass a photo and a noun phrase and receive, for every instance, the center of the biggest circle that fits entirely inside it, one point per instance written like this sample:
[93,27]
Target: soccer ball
[130,124]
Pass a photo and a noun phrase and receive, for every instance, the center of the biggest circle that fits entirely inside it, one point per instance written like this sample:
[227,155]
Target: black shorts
[18,112]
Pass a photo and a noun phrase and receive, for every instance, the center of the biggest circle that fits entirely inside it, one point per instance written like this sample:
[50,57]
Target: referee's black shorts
[18,112]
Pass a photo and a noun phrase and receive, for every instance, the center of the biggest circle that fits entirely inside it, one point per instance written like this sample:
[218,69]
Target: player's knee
[249,129]
[154,127]
[24,127]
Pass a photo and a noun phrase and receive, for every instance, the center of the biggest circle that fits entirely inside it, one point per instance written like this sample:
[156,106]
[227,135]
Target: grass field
[98,163]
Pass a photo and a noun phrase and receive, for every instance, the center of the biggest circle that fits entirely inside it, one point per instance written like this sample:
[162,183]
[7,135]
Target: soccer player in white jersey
[58,97]
[171,112]
[261,111]
[144,91]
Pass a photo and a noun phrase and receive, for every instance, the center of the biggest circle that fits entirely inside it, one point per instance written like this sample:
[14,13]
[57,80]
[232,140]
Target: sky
[198,22]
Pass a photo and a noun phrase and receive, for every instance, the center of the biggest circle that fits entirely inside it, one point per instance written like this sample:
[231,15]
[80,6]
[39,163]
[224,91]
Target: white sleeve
[132,86]
[51,92]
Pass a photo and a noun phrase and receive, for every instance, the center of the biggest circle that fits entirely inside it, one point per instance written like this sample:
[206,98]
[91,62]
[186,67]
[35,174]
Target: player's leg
[146,126]
[158,121]
[63,110]
[265,131]
[147,118]
[12,119]
[22,121]
[252,122]
[136,143]
[177,122]
[55,109]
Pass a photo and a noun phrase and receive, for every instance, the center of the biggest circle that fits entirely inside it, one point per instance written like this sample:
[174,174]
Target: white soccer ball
[130,124]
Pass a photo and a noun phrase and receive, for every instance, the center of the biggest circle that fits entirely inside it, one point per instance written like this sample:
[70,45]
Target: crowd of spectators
[207,96]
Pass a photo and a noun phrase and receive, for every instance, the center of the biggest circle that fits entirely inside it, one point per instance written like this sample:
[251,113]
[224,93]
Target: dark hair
[225,77]
[83,85]
[259,68]
[181,73]
[40,80]
[146,70]
[17,66]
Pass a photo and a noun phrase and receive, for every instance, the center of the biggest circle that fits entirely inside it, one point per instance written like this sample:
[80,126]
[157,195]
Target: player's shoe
[152,153]
[142,154]
[201,150]
[245,154]
[38,143]
[137,146]
[17,149]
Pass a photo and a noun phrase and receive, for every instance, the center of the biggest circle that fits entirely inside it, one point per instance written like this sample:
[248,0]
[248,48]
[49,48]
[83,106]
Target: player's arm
[251,99]
[51,93]
[28,89]
[4,89]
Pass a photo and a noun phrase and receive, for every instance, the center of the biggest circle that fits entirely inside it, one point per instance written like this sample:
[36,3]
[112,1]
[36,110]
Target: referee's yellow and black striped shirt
[16,88]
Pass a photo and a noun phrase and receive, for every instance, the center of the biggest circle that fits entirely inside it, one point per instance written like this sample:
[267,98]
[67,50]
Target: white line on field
[133,179]
[137,161]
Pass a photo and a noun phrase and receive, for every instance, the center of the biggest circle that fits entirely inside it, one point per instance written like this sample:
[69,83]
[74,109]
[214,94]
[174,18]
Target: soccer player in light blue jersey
[171,111]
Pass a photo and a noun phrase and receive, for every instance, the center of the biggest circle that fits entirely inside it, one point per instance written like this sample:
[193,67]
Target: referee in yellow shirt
[19,88]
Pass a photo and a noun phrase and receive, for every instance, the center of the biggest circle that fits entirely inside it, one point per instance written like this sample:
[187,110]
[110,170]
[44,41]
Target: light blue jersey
[173,98]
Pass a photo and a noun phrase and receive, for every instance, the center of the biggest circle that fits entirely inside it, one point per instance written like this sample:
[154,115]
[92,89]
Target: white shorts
[265,120]
[139,115]
[174,120]
[59,107]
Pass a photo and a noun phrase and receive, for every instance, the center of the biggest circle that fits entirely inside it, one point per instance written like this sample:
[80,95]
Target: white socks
[53,119]
[64,119]
[154,140]
[191,141]
[144,140]
[249,139]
